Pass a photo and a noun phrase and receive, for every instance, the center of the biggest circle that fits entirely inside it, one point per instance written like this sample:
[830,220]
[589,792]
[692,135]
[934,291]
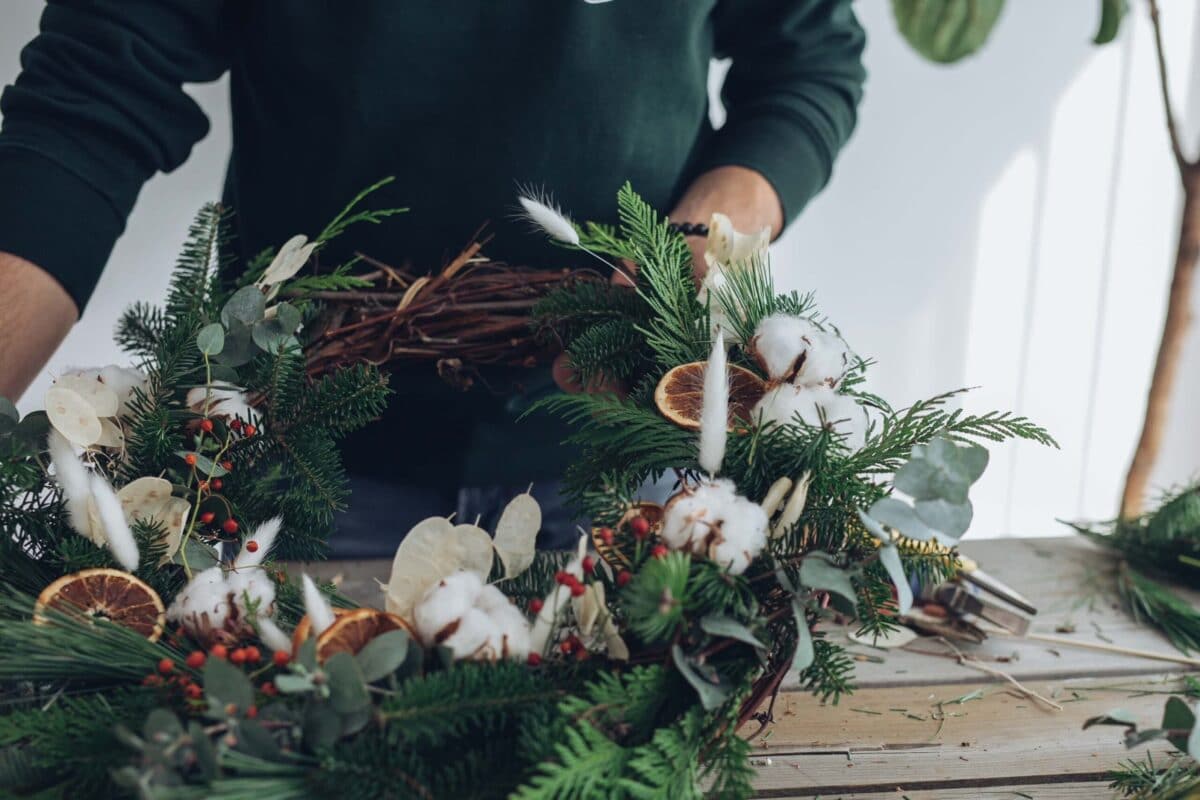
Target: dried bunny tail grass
[116,530]
[264,536]
[316,606]
[714,410]
[273,636]
[73,478]
[539,209]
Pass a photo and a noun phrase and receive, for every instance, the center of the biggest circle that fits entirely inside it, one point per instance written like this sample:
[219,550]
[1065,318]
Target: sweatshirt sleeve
[792,91]
[97,109]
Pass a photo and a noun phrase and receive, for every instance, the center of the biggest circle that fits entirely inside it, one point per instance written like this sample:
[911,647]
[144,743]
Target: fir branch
[348,216]
[1151,603]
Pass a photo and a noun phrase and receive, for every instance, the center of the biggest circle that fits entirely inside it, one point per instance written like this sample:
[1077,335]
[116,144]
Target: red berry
[534,659]
[217,484]
[238,656]
[230,525]
[166,666]
[227,466]
[218,651]
[190,459]
[640,527]
[206,425]
[195,659]
[281,658]
[535,605]
[194,692]
[624,577]
[581,654]
[589,565]
[252,546]
[236,424]
[152,680]
[249,430]
[251,712]
[207,517]
[658,551]
[606,536]
[563,577]
[269,689]
[577,589]
[253,655]
[567,647]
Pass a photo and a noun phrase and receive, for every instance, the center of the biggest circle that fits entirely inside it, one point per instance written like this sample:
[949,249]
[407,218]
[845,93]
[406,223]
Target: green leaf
[347,687]
[225,684]
[1192,745]
[901,517]
[321,726]
[818,572]
[246,306]
[33,429]
[211,339]
[200,556]
[950,519]
[889,557]
[1111,14]
[703,678]
[162,727]
[1177,716]
[288,316]
[294,684]
[270,335]
[729,628]
[805,652]
[204,465]
[945,31]
[7,409]
[202,746]
[254,739]
[383,655]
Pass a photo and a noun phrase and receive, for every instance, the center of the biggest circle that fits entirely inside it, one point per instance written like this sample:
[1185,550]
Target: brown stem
[1179,312]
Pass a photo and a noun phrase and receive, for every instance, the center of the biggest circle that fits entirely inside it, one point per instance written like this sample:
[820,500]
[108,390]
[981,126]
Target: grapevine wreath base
[154,648]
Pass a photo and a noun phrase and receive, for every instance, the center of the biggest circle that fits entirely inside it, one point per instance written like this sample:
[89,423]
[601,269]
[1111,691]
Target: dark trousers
[380,513]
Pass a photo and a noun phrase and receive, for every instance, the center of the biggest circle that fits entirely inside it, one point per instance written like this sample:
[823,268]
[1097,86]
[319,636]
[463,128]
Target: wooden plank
[1040,791]
[951,737]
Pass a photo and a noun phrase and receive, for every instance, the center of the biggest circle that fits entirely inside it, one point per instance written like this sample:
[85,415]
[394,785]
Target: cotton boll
[849,418]
[444,604]
[203,605]
[781,342]
[124,381]
[251,588]
[825,361]
[714,521]
[219,400]
[816,406]
[470,638]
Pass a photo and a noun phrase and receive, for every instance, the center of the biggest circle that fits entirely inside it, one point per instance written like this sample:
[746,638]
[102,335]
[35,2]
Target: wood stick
[1107,648]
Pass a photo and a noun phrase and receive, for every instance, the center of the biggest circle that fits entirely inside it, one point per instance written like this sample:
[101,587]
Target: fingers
[569,382]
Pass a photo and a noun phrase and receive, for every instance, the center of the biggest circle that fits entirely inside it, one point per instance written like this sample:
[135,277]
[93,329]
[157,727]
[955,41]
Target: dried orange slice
[680,394]
[105,593]
[303,628]
[351,631]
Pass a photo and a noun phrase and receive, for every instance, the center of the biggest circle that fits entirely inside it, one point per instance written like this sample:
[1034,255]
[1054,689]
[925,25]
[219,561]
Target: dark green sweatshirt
[461,101]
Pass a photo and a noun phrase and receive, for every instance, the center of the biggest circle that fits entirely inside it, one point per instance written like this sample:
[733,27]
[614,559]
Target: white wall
[1008,223]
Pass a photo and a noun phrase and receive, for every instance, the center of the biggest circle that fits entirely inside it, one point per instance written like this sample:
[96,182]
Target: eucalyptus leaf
[1111,14]
[254,739]
[162,727]
[383,655]
[1192,745]
[288,316]
[239,346]
[729,628]
[322,726]
[211,339]
[307,655]
[805,652]
[951,520]
[1177,716]
[205,466]
[1135,738]
[900,516]
[355,721]
[7,409]
[703,678]
[226,685]
[818,572]
[32,429]
[202,746]
[224,373]
[290,683]
[270,335]
[1117,716]
[347,687]
[246,306]
[889,557]
[199,555]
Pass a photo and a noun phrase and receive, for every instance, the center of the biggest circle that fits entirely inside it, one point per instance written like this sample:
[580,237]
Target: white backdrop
[1005,223]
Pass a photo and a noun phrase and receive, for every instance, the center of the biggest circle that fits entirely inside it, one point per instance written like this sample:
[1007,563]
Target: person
[461,101]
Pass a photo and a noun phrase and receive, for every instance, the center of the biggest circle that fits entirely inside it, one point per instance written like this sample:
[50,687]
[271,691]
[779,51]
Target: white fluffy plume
[72,476]
[545,216]
[264,536]
[317,607]
[116,530]
[714,410]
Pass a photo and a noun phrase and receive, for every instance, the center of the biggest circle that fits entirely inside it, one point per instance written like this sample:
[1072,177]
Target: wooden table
[921,725]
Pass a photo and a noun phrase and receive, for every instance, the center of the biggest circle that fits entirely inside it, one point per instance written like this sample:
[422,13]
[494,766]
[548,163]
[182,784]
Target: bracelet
[690,228]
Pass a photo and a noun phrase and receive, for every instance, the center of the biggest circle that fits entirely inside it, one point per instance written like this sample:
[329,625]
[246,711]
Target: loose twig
[973,663]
